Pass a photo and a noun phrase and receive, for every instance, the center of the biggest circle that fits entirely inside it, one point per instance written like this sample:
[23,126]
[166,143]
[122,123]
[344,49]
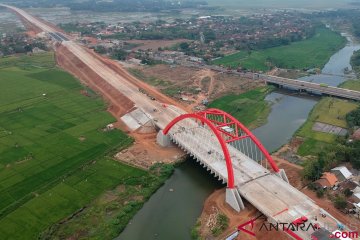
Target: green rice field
[53,149]
[310,53]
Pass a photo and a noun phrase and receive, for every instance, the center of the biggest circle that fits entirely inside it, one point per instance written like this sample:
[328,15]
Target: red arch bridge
[226,148]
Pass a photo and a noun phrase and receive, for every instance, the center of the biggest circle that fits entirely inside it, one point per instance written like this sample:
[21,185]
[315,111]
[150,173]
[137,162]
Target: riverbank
[58,172]
[326,122]
[215,205]
[172,211]
[296,55]
[331,113]
[282,126]
[355,62]
[288,113]
[108,214]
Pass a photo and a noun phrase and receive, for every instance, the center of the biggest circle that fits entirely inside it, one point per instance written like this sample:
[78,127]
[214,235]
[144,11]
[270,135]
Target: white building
[357,207]
[342,173]
[356,190]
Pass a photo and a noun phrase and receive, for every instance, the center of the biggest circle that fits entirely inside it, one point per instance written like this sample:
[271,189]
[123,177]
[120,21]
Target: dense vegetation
[329,111]
[84,30]
[114,209]
[355,62]
[250,108]
[19,43]
[349,16]
[334,152]
[53,150]
[329,150]
[295,55]
[222,223]
[353,118]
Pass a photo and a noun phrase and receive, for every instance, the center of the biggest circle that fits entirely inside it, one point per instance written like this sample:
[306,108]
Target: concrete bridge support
[163,140]
[282,175]
[233,198]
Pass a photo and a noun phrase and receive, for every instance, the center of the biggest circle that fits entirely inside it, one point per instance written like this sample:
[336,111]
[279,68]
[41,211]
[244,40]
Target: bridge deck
[200,141]
[283,203]
[313,87]
[275,198]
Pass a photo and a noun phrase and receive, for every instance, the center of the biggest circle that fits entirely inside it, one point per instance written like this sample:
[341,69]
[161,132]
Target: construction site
[256,183]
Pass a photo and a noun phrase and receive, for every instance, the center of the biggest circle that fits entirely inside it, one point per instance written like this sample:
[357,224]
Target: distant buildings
[341,181]
[328,180]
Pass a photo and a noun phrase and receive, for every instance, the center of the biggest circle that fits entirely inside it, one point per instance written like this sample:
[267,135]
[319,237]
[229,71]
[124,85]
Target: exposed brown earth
[187,80]
[326,204]
[215,203]
[145,152]
[155,44]
[140,84]
[293,172]
[289,151]
[118,103]
[32,30]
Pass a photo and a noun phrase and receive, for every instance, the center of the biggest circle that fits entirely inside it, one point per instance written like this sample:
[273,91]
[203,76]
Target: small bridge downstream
[312,88]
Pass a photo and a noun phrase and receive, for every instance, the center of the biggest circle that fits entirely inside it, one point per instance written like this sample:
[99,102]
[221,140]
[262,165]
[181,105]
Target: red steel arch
[216,128]
[222,142]
[250,134]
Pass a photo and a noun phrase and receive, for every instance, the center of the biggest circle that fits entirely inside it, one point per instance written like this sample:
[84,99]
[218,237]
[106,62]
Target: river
[171,214]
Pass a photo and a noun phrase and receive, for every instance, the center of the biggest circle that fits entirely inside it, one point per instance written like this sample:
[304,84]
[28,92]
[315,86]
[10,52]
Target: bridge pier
[162,139]
[233,198]
[281,174]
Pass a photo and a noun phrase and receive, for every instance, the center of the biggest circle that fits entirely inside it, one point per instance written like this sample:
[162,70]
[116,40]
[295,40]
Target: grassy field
[148,79]
[310,53]
[53,149]
[351,84]
[250,108]
[330,111]
[107,215]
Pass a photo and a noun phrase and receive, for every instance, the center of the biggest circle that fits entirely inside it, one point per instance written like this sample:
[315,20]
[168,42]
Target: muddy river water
[173,209]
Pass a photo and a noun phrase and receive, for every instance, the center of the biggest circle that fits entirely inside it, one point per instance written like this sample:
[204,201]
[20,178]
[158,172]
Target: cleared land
[53,150]
[154,44]
[250,108]
[329,111]
[170,80]
[310,53]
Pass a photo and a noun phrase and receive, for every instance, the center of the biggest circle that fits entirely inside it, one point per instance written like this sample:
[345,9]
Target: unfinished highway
[266,189]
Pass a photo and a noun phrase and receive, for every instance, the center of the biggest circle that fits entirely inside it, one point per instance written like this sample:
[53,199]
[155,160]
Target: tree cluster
[331,156]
